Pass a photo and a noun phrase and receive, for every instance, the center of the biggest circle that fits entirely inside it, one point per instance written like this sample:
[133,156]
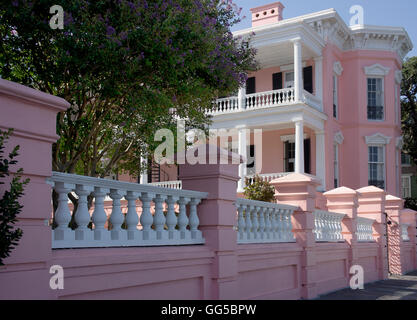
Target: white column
[241,97]
[299,146]
[144,174]
[318,77]
[298,69]
[242,152]
[321,159]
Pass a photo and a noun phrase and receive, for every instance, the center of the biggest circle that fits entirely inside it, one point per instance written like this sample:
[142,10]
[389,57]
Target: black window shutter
[307,153]
[308,79]
[251,157]
[250,85]
[277,81]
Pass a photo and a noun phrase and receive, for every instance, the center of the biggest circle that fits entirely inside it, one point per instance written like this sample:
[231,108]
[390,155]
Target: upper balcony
[290,77]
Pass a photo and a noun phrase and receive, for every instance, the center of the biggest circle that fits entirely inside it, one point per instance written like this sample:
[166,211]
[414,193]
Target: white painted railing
[263,222]
[364,229]
[225,105]
[269,98]
[155,229]
[177,184]
[404,232]
[328,226]
[313,101]
[268,177]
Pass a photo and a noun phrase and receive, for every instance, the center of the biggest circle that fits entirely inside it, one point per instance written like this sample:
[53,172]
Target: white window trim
[337,68]
[377,139]
[339,138]
[383,98]
[384,161]
[376,70]
[291,138]
[285,76]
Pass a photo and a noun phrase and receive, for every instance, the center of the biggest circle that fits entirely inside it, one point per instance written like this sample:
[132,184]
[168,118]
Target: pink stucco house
[326,98]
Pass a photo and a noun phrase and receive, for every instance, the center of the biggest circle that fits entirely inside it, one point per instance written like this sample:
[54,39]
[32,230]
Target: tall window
[250,153]
[289,152]
[376,166]
[336,165]
[375,99]
[406,186]
[335,97]
[289,79]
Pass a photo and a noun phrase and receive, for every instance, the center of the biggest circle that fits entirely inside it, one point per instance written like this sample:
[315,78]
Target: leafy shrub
[410,203]
[258,189]
[9,205]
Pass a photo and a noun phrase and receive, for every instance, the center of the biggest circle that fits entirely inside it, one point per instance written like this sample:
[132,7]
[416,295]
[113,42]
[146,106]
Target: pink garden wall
[219,269]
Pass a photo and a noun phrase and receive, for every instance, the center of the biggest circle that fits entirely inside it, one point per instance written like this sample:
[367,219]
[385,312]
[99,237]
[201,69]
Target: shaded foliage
[9,204]
[258,189]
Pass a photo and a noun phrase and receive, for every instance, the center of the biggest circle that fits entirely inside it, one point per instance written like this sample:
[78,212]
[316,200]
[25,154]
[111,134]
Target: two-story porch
[281,105]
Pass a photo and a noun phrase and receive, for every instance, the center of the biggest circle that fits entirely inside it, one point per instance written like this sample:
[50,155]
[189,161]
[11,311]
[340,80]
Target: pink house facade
[326,98]
[196,238]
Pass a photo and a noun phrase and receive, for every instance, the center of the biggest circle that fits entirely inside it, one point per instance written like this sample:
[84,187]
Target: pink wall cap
[370,190]
[10,88]
[341,191]
[295,178]
[223,156]
[390,197]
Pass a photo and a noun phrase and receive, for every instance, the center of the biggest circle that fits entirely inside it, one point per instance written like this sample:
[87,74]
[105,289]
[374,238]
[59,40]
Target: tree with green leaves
[128,68]
[9,204]
[259,189]
[409,107]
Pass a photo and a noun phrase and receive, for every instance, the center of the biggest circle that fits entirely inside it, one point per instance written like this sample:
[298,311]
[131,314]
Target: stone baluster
[171,219]
[159,217]
[132,218]
[82,215]
[182,218]
[117,217]
[62,213]
[146,218]
[194,220]
[99,215]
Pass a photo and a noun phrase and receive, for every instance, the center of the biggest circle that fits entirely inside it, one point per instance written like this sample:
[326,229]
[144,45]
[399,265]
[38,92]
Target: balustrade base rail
[155,229]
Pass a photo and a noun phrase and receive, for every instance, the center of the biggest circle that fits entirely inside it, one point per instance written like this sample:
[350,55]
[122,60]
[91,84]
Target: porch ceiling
[280,54]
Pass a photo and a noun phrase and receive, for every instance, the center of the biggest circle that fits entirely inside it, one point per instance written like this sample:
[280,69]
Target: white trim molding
[399,142]
[291,138]
[339,138]
[337,68]
[398,76]
[377,139]
[377,70]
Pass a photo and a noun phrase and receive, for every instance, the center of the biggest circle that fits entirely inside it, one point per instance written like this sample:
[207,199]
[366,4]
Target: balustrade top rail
[264,222]
[163,227]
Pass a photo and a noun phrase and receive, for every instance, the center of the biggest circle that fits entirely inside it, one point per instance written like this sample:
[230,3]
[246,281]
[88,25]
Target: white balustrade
[176,184]
[157,227]
[268,177]
[313,101]
[225,105]
[364,231]
[263,222]
[269,98]
[328,226]
[404,232]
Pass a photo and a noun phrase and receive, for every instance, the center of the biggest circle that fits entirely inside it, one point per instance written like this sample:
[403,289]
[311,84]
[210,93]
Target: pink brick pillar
[345,200]
[300,190]
[372,206]
[32,115]
[217,214]
[393,207]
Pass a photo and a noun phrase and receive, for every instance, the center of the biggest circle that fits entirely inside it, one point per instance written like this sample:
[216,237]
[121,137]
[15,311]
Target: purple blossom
[110,30]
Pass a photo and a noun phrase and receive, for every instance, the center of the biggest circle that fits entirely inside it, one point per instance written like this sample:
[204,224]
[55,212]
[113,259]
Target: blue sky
[399,13]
